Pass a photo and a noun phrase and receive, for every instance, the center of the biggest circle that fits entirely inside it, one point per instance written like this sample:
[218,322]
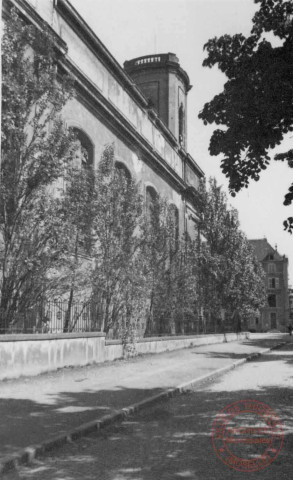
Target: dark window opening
[181,124]
[151,201]
[85,150]
[123,177]
[174,220]
[272,301]
[271,268]
[123,171]
[84,159]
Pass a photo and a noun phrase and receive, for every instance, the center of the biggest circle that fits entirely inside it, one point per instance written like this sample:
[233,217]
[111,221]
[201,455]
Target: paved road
[36,409]
[172,440]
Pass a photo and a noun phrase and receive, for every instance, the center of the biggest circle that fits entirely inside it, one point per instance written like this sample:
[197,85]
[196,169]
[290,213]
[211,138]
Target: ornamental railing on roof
[143,60]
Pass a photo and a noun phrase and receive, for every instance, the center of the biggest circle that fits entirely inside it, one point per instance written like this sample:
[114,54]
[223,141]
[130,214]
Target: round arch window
[85,150]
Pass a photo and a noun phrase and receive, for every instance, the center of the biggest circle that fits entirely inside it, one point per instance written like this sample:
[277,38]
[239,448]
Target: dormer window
[271,268]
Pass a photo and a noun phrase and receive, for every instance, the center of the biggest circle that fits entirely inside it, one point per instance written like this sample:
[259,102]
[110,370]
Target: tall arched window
[84,159]
[151,199]
[181,124]
[84,154]
[174,220]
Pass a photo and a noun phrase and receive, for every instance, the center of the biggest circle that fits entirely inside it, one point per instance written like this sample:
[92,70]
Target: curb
[27,455]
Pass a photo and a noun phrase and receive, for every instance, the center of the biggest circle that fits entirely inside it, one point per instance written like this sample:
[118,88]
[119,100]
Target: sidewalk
[37,409]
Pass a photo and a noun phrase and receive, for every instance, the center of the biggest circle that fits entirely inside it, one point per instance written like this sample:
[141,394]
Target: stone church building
[141,109]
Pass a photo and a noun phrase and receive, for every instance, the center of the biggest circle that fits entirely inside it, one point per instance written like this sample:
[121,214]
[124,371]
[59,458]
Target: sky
[133,28]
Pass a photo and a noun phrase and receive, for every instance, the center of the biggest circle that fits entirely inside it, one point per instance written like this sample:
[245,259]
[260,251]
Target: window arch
[123,170]
[85,151]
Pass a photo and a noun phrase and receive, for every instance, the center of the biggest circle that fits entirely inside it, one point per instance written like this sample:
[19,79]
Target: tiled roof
[262,248]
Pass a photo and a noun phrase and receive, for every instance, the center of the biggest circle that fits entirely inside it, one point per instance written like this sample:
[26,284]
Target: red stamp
[247,435]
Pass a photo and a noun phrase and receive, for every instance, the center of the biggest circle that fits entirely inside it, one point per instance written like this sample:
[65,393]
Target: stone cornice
[72,17]
[187,158]
[92,98]
[95,101]
[194,197]
[153,115]
[29,14]
[156,61]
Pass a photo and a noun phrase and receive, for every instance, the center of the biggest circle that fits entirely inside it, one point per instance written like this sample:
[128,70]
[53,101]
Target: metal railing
[56,316]
[62,316]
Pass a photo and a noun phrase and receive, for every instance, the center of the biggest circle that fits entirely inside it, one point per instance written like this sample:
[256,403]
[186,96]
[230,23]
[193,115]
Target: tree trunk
[67,315]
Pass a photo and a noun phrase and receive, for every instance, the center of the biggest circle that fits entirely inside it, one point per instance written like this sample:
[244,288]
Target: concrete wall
[35,354]
[30,355]
[114,349]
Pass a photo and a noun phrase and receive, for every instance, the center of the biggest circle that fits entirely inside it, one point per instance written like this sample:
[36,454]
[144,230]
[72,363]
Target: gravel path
[173,439]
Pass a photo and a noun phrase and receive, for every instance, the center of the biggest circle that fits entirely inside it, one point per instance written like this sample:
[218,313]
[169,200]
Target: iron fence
[192,326]
[56,316]
[60,316]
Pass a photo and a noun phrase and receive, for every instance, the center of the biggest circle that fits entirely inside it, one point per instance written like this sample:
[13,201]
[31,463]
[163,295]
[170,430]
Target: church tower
[165,85]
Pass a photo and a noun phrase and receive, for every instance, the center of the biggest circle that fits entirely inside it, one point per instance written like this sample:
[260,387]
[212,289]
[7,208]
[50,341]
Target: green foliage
[254,111]
[77,233]
[119,277]
[34,149]
[230,277]
[170,272]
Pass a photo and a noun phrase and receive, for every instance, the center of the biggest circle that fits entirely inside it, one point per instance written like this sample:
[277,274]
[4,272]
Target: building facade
[275,315]
[141,109]
[290,291]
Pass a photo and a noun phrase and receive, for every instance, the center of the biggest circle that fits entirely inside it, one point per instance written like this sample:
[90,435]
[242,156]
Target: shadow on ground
[172,440]
[260,343]
[57,413]
[67,411]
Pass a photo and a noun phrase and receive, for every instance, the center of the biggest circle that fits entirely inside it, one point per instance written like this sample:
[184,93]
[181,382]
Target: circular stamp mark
[247,435]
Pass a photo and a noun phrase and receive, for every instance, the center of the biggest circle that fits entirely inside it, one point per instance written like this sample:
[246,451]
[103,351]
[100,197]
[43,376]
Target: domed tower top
[165,84]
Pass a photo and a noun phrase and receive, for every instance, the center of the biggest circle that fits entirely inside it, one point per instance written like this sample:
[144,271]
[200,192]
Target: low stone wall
[29,355]
[35,354]
[114,348]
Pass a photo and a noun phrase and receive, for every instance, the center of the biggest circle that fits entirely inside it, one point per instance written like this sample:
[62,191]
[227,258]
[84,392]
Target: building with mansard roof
[275,315]
[140,109]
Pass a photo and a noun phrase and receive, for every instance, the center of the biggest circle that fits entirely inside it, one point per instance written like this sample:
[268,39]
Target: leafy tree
[119,277]
[158,234]
[230,276]
[35,146]
[170,263]
[181,287]
[254,112]
[73,276]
